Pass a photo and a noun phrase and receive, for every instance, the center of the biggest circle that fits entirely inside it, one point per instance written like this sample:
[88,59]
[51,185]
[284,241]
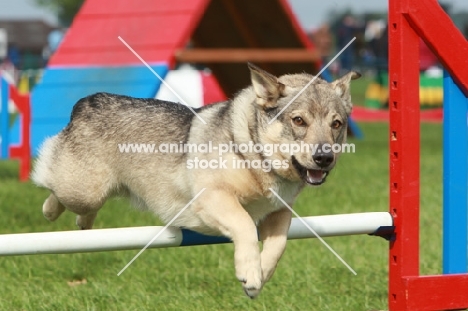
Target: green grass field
[358,90]
[309,277]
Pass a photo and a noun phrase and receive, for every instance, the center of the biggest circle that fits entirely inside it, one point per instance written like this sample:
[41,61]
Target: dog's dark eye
[336,124]
[299,121]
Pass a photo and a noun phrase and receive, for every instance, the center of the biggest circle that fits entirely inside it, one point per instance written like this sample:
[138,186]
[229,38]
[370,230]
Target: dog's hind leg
[83,199]
[85,207]
[85,210]
[85,222]
[52,208]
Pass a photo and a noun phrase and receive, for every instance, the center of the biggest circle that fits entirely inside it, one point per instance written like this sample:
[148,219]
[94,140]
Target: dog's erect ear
[266,86]
[342,88]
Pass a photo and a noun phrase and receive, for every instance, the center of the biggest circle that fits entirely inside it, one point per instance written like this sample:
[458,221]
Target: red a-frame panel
[409,20]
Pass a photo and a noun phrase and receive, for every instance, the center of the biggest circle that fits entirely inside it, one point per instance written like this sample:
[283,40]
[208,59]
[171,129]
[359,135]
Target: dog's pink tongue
[314,176]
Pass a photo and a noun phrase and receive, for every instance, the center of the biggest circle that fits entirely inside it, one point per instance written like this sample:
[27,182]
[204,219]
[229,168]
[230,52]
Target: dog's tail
[42,171]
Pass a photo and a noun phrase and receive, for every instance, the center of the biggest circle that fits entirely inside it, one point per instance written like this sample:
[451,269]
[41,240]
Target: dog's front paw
[251,282]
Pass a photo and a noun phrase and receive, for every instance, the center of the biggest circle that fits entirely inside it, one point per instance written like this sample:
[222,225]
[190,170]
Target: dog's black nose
[323,159]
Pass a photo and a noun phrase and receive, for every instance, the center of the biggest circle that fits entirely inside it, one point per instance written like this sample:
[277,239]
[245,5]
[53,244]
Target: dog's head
[289,113]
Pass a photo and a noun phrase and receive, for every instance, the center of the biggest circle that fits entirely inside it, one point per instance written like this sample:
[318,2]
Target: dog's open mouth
[310,176]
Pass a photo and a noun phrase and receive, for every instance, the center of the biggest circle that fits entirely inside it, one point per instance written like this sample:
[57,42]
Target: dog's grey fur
[82,165]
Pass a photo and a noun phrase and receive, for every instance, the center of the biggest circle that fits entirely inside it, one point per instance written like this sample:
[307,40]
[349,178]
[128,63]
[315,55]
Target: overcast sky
[15,9]
[310,13]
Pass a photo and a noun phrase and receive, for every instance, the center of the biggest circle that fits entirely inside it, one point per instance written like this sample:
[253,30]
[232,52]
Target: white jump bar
[99,240]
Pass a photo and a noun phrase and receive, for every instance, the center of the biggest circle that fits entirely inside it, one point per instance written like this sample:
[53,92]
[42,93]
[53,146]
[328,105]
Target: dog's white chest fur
[273,201]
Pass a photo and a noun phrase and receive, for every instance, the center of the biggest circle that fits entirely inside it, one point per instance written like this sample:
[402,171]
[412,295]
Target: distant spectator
[14,54]
[376,35]
[8,70]
[346,32]
[3,43]
[54,39]
[377,39]
[322,40]
[30,61]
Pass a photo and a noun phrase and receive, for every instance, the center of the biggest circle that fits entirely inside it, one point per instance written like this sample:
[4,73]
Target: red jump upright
[408,21]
